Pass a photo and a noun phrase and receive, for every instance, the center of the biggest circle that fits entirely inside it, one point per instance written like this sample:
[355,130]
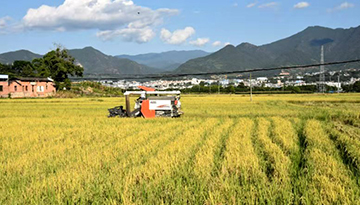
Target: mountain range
[24,55]
[301,48]
[93,61]
[96,62]
[165,61]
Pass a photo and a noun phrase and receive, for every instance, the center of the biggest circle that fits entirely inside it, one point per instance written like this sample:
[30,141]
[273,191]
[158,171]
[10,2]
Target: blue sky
[142,26]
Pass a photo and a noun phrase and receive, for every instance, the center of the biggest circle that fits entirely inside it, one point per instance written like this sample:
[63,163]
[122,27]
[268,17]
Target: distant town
[334,79]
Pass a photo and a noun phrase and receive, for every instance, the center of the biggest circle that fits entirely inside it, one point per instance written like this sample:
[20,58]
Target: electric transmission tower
[322,87]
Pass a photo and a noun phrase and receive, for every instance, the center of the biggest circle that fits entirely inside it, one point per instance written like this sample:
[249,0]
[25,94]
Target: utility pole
[250,89]
[283,88]
[339,85]
[219,87]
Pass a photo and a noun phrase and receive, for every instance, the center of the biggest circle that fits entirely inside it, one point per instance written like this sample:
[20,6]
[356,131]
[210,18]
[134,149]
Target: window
[40,88]
[32,88]
[15,88]
[46,86]
[26,88]
[1,88]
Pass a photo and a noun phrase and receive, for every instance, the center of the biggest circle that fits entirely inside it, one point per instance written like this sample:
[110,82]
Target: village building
[28,87]
[262,79]
[284,74]
[4,86]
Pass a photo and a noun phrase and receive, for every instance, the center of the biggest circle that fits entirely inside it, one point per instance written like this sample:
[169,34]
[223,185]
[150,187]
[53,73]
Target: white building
[262,79]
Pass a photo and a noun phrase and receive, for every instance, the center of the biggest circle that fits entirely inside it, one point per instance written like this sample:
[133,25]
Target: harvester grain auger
[150,104]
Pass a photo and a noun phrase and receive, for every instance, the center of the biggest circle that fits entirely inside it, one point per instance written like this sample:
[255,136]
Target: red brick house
[26,87]
[4,86]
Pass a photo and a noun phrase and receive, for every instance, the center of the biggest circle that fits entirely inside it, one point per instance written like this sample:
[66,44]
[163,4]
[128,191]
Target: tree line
[56,64]
[241,88]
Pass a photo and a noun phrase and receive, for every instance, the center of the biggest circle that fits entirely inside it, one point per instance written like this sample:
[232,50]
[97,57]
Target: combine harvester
[150,104]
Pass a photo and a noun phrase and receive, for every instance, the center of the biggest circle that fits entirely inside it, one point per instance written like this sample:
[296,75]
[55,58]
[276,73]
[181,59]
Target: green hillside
[301,48]
[23,55]
[93,61]
[165,61]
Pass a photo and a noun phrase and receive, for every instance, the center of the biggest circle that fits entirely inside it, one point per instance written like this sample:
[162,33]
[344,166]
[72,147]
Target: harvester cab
[150,104]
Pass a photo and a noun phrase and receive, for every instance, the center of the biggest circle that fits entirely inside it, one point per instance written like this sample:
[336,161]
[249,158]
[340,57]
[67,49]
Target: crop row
[192,160]
[241,178]
[348,140]
[277,164]
[329,179]
[144,181]
[205,158]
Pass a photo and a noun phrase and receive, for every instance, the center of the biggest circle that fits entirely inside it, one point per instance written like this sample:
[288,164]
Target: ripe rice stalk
[329,180]
[285,135]
[204,159]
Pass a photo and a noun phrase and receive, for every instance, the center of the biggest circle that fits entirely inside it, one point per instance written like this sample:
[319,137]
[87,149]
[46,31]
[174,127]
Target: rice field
[278,149]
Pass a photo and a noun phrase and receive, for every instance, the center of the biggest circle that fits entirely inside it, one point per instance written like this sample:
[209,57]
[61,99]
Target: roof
[146,88]
[152,92]
[35,79]
[4,77]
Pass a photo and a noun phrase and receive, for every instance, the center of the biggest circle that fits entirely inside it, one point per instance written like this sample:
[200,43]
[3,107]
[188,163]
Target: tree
[230,89]
[356,86]
[58,65]
[242,88]
[347,88]
[294,89]
[5,69]
[23,68]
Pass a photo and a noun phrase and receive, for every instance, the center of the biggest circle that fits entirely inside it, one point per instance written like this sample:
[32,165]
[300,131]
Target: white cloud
[178,36]
[251,5]
[269,5]
[235,5]
[4,22]
[200,42]
[217,44]
[343,6]
[301,5]
[346,5]
[227,43]
[139,35]
[111,17]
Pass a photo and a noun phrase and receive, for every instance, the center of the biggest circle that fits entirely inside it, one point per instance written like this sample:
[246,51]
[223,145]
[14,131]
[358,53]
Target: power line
[159,76]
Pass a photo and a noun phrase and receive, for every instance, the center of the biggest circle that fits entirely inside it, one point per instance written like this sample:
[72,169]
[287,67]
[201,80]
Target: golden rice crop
[167,159]
[277,164]
[349,141]
[240,158]
[330,179]
[285,135]
[204,159]
[224,150]
[241,178]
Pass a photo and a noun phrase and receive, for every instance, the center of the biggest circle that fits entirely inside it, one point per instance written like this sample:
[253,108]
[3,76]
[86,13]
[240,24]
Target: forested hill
[96,62]
[166,61]
[301,48]
[23,55]
[93,61]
